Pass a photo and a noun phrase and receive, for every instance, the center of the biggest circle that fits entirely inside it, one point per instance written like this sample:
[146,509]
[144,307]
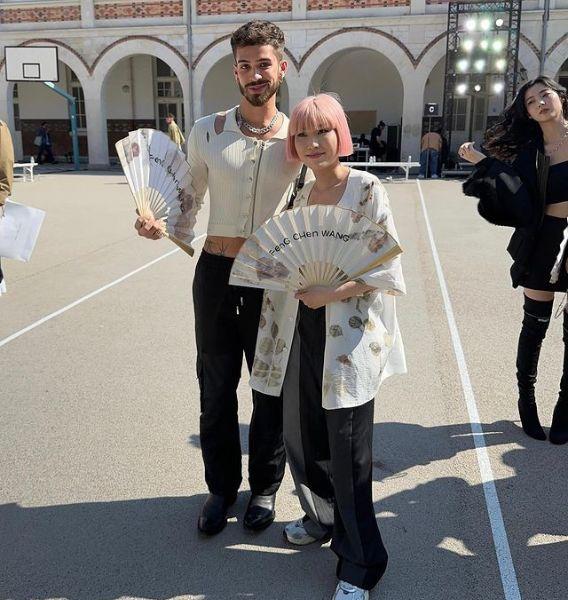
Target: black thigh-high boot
[559,428]
[535,324]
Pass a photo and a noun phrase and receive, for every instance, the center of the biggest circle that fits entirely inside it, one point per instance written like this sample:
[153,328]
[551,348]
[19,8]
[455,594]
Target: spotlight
[497,45]
[468,45]
[463,65]
[499,22]
[461,88]
[484,44]
[485,25]
[470,24]
[498,87]
[479,65]
[477,87]
[500,64]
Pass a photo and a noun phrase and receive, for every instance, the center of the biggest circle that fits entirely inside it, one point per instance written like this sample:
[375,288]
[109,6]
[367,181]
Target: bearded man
[240,157]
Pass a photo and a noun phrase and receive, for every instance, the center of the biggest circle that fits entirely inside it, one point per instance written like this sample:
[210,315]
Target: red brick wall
[60,138]
[139,10]
[337,4]
[119,128]
[40,14]
[221,7]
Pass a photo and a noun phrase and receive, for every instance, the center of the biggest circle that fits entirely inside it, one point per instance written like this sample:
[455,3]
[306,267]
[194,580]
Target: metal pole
[428,149]
[72,104]
[74,136]
[545,19]
[190,118]
[471,116]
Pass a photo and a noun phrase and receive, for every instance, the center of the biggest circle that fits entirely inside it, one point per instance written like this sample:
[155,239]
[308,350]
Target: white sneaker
[296,533]
[435,176]
[420,176]
[346,591]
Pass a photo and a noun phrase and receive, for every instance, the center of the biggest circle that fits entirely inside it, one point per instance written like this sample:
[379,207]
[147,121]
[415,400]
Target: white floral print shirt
[363,342]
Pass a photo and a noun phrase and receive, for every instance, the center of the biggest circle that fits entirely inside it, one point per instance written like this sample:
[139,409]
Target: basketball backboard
[31,63]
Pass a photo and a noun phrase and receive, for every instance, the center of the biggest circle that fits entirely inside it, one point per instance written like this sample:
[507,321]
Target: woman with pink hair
[335,346]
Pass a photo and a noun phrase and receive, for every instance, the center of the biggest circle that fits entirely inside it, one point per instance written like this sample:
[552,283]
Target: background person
[174,132]
[430,153]
[377,146]
[45,152]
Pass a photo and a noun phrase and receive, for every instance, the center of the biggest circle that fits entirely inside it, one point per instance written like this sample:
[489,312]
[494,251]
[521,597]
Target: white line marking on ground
[543,539]
[506,567]
[88,296]
[263,549]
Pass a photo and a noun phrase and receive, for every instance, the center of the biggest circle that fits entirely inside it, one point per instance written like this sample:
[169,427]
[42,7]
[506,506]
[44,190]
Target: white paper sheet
[19,230]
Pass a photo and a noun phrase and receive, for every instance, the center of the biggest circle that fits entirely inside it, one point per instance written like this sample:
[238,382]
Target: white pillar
[6,102]
[95,112]
[412,110]
[299,10]
[297,90]
[417,7]
[87,14]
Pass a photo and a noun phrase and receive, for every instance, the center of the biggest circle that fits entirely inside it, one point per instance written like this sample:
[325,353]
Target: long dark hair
[515,130]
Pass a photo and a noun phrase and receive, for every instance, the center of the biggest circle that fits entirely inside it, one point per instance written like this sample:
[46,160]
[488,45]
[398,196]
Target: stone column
[7,114]
[299,10]
[87,14]
[417,7]
[412,109]
[96,125]
[297,89]
[6,101]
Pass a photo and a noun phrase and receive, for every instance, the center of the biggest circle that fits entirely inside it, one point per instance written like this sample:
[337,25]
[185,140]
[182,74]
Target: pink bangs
[319,112]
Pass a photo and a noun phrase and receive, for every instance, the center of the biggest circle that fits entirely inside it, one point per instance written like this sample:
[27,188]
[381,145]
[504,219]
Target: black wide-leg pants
[330,456]
[226,326]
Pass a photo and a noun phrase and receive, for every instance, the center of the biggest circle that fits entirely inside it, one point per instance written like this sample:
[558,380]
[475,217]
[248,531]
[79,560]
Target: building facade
[129,63]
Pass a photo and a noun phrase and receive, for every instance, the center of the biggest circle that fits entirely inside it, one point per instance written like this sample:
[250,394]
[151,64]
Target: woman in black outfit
[521,181]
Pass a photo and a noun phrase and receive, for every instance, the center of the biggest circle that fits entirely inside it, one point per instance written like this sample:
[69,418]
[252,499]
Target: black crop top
[557,185]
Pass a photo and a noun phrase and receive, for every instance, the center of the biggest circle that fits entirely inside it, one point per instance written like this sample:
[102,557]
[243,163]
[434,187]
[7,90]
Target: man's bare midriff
[558,209]
[223,246]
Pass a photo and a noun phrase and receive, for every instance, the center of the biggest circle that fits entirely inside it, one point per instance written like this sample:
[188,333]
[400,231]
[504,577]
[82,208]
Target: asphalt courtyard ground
[101,478]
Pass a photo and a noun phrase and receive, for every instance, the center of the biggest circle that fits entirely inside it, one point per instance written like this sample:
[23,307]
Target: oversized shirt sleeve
[386,276]
[197,187]
[6,163]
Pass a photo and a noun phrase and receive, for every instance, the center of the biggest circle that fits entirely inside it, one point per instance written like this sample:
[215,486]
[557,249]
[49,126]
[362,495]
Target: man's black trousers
[226,326]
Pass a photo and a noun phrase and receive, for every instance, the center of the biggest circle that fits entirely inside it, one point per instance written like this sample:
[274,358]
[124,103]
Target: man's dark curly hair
[515,130]
[258,33]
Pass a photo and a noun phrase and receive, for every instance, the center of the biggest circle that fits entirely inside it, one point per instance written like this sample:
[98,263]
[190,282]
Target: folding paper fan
[312,245]
[160,181]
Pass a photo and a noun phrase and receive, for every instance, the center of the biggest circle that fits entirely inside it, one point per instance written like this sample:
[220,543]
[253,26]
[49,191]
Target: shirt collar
[231,125]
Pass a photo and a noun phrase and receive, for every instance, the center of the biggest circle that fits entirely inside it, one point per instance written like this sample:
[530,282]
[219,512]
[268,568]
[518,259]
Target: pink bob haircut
[321,111]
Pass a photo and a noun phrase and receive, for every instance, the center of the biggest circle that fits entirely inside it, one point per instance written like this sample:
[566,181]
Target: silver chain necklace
[258,130]
[561,142]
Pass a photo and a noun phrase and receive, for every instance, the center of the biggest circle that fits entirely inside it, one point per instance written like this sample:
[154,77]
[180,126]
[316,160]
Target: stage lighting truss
[482,51]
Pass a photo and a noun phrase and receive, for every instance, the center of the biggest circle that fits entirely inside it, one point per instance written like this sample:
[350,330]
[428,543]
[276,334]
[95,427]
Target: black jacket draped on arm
[513,195]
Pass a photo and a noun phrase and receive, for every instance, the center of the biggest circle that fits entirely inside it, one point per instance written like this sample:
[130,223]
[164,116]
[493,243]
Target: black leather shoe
[260,512]
[213,517]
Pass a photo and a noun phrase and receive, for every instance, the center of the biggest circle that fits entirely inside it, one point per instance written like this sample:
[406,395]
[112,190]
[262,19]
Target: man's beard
[261,99]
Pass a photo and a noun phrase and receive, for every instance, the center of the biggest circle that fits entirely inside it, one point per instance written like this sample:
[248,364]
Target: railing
[405,166]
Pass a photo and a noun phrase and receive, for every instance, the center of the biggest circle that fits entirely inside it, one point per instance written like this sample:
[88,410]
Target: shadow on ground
[437,534]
